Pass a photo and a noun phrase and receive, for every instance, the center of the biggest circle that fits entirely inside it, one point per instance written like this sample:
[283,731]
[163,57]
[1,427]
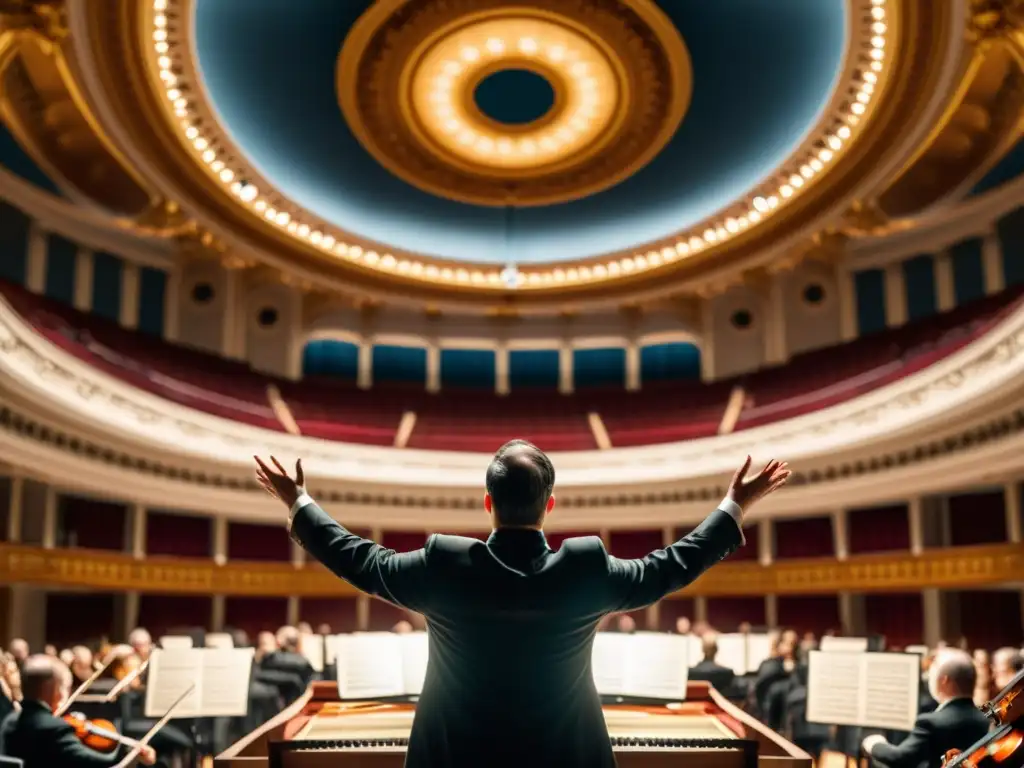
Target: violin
[1004,747]
[100,735]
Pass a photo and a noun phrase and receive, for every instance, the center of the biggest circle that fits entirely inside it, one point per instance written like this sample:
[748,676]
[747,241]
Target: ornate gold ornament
[620,73]
[992,19]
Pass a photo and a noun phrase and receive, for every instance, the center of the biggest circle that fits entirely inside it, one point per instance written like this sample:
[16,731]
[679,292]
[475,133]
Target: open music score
[175,642]
[644,665]
[866,689]
[313,647]
[219,678]
[741,652]
[833,644]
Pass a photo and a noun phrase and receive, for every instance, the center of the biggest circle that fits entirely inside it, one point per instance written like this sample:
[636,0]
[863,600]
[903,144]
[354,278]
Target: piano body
[705,731]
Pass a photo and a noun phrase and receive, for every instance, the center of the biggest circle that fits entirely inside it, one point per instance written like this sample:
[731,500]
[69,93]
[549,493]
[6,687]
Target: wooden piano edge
[252,750]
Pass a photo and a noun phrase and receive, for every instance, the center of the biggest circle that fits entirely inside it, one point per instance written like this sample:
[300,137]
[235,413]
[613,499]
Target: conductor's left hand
[277,482]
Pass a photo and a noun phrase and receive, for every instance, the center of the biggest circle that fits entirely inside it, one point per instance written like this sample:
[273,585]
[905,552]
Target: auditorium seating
[474,420]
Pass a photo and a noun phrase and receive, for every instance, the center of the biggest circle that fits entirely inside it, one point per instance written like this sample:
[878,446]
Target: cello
[1004,746]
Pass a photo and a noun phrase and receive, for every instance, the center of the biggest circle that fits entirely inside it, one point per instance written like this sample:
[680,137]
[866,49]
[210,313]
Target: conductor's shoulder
[448,545]
[589,549]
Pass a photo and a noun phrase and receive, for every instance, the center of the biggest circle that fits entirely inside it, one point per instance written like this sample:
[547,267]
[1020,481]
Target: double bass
[1004,746]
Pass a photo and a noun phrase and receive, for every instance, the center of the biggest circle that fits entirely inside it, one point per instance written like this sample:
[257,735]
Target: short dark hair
[520,480]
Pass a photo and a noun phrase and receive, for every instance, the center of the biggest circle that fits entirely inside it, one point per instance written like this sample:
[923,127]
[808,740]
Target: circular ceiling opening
[514,97]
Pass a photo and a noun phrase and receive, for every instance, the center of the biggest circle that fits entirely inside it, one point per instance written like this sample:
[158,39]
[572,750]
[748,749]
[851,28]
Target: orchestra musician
[955,724]
[1006,665]
[41,740]
[512,623]
[720,677]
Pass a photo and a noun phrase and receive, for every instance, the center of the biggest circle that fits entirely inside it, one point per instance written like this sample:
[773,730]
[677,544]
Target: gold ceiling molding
[949,568]
[620,73]
[877,39]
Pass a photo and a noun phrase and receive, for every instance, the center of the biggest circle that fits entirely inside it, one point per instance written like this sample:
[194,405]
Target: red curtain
[263,543]
[725,614]
[160,613]
[5,503]
[91,523]
[255,614]
[339,613]
[817,613]
[977,518]
[991,618]
[76,617]
[878,529]
[631,544]
[900,617]
[555,538]
[749,550]
[168,533]
[670,610]
[403,541]
[805,537]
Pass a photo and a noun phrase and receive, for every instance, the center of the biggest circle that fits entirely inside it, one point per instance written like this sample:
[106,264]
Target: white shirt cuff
[303,500]
[735,511]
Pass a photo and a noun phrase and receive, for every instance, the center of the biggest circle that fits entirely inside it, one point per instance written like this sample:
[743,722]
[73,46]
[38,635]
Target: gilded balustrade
[952,568]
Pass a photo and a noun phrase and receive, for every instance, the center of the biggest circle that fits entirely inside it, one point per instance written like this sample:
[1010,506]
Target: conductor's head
[45,679]
[951,675]
[520,481]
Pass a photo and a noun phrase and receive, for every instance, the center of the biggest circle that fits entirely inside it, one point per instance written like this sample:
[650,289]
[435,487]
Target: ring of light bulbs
[442,88]
[211,146]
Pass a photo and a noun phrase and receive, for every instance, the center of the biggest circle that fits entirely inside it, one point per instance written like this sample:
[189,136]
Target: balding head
[952,675]
[141,642]
[288,639]
[402,628]
[520,480]
[709,644]
[45,679]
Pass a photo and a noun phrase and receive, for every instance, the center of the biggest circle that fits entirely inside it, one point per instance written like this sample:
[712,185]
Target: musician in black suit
[955,724]
[512,623]
[720,677]
[41,740]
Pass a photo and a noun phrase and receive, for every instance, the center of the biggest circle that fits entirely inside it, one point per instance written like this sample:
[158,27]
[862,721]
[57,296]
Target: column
[1012,504]
[364,373]
[298,560]
[700,609]
[219,547]
[83,280]
[934,621]
[632,366]
[172,309]
[232,342]
[129,316]
[501,369]
[915,517]
[765,542]
[992,262]
[841,534]
[771,611]
[852,615]
[135,540]
[775,351]
[565,368]
[895,296]
[15,510]
[433,367]
[35,279]
[945,292]
[49,518]
[847,303]
[707,340]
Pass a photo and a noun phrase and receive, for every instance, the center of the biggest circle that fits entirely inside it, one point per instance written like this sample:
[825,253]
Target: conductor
[511,622]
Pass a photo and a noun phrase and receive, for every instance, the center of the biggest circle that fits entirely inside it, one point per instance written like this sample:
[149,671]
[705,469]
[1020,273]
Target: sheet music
[176,642]
[331,643]
[694,649]
[843,644]
[656,666]
[608,663]
[415,652]
[220,676]
[759,649]
[219,640]
[732,652]
[312,647]
[870,690]
[920,650]
[370,665]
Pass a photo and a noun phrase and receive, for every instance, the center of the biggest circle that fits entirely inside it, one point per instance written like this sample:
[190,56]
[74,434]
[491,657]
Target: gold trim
[949,568]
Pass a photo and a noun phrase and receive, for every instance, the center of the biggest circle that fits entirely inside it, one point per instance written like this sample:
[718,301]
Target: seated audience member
[38,738]
[955,724]
[403,628]
[1007,663]
[625,624]
[683,626]
[141,642]
[18,649]
[720,677]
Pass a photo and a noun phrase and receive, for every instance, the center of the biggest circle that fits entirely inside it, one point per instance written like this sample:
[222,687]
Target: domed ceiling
[488,132]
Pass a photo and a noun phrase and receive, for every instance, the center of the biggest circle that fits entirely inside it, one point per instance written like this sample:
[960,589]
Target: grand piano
[703,731]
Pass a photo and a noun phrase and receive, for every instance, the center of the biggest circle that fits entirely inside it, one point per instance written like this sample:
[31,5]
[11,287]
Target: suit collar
[955,702]
[518,542]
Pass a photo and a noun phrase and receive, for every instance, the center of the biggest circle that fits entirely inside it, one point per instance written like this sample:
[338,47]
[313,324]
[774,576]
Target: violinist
[81,664]
[955,724]
[40,739]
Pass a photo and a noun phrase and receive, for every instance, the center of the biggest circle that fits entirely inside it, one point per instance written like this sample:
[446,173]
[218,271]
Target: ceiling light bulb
[731,225]
[878,41]
[815,164]
[843,132]
[209,156]
[786,191]
[283,218]
[227,175]
[159,20]
[470,54]
[796,180]
[863,97]
[834,142]
[495,46]
[164,62]
[303,230]
[556,53]
[878,28]
[825,155]
[773,202]
[248,193]
[857,108]
[159,34]
[876,66]
[878,13]
[760,204]
[870,77]
[528,45]
[161,47]
[753,216]
[191,132]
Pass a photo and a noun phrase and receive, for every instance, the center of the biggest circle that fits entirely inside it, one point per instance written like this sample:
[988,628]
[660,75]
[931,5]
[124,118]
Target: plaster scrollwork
[120,415]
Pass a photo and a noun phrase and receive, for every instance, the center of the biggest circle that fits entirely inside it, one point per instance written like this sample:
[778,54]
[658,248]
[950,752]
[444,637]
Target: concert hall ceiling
[530,156]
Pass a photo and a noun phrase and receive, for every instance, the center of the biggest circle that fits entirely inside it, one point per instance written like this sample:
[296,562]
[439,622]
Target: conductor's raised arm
[399,578]
[637,583]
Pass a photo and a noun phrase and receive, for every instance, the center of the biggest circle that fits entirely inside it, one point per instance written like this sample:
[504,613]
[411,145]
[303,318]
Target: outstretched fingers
[277,464]
[300,476]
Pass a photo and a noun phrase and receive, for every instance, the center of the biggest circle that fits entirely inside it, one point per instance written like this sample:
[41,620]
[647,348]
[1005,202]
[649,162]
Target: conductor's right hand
[748,491]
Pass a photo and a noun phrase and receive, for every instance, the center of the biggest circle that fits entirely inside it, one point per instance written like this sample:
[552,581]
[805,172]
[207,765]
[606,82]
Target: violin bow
[84,686]
[126,681]
[144,741]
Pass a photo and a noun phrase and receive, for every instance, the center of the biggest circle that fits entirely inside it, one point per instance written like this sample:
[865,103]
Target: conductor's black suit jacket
[511,625]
